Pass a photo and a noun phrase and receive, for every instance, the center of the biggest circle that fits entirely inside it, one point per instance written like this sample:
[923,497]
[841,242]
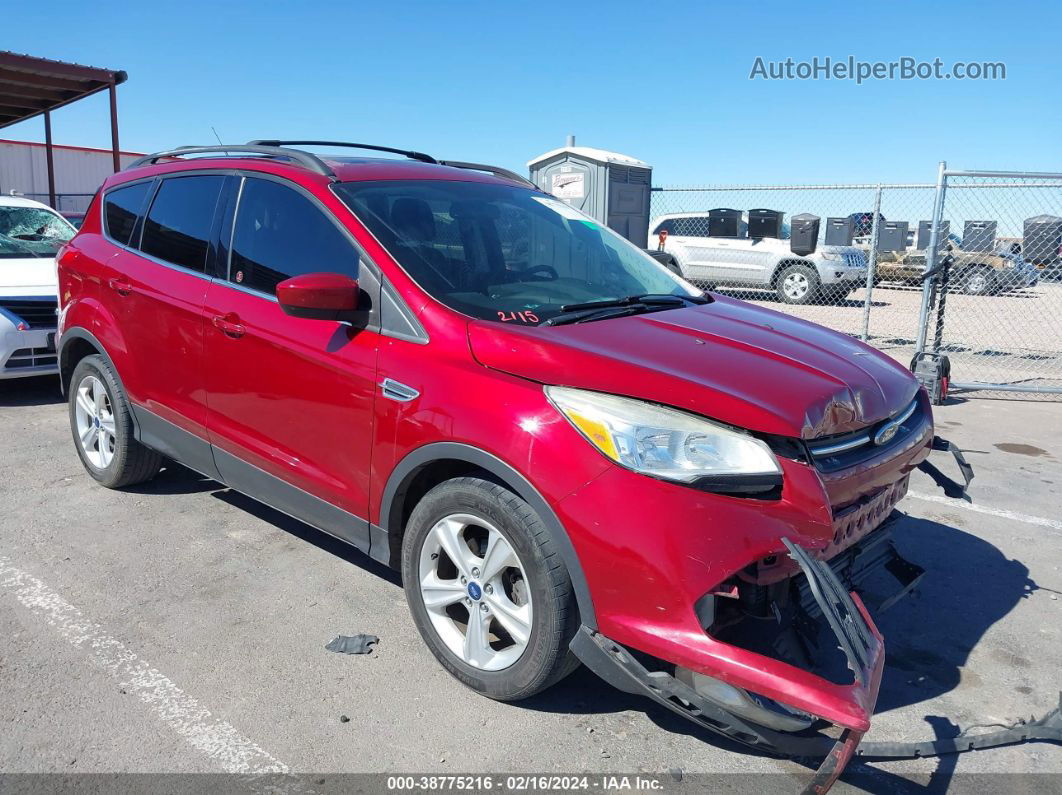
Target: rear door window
[122,208]
[280,233]
[177,227]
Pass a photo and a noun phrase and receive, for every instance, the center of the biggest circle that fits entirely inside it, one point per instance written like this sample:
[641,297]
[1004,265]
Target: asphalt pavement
[179,627]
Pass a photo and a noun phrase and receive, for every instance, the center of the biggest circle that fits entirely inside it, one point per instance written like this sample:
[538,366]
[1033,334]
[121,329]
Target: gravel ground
[180,627]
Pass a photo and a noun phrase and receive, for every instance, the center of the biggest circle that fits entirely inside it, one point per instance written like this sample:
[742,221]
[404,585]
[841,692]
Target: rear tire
[102,425]
[454,579]
[798,284]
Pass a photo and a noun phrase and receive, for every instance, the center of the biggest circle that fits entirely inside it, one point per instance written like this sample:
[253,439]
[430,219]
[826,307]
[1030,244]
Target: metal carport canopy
[31,86]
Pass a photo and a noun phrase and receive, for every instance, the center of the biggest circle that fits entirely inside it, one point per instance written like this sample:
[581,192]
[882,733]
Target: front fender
[404,471]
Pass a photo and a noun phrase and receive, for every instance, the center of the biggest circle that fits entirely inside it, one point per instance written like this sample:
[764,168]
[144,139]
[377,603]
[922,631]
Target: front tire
[798,284]
[487,589]
[102,425]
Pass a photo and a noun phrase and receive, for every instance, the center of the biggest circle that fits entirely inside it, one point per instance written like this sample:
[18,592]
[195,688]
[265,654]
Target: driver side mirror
[321,296]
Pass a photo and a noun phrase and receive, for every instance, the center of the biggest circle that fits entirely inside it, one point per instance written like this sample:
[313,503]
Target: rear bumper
[854,631]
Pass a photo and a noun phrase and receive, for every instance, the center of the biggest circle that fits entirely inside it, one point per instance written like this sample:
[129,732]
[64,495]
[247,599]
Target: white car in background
[31,234]
[828,273]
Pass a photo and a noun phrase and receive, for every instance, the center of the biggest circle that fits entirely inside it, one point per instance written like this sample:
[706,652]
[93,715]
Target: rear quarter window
[121,208]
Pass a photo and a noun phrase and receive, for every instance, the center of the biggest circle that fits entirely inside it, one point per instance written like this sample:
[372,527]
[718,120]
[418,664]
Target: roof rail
[306,159]
[495,170]
[408,153]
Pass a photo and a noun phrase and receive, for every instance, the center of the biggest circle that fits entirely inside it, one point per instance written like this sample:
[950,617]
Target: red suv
[570,453]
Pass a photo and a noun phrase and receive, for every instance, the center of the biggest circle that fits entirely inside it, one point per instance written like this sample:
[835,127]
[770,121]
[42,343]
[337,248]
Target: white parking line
[1054,524]
[218,739]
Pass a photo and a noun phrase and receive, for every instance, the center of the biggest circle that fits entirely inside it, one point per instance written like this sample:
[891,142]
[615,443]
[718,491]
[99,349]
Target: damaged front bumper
[855,634]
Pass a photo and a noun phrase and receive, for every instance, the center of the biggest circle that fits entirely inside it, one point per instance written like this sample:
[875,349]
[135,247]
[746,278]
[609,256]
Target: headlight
[830,255]
[667,443]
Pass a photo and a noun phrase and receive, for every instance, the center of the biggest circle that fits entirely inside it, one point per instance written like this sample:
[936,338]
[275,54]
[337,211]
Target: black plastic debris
[352,644]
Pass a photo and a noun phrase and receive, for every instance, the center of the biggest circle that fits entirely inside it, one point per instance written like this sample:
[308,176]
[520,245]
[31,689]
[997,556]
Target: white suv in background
[829,273]
[31,234]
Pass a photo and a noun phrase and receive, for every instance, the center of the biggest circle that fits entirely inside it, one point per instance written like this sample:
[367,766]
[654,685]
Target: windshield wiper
[647,299]
[600,313]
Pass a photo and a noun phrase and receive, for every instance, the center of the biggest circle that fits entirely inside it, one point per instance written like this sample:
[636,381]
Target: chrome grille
[855,259]
[837,452]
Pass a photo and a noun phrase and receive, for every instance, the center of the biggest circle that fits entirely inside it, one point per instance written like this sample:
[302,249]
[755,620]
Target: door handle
[229,325]
[120,285]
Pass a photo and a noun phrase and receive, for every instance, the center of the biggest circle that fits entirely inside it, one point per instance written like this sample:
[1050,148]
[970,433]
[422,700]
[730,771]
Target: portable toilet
[609,187]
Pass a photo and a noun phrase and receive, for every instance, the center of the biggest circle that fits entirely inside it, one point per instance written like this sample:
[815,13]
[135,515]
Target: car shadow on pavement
[968,587]
[175,479]
[39,391]
[305,532]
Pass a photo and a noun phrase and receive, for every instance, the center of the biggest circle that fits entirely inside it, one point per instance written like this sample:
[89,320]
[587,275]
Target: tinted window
[280,233]
[502,252]
[121,207]
[664,226]
[178,225]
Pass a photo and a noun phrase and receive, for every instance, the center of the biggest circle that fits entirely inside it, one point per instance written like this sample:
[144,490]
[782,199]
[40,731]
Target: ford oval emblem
[886,434]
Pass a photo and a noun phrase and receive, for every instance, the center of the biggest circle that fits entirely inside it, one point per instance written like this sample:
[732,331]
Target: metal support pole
[931,255]
[872,265]
[112,90]
[48,156]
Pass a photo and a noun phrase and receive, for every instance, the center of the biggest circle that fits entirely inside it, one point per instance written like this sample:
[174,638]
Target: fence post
[872,264]
[931,255]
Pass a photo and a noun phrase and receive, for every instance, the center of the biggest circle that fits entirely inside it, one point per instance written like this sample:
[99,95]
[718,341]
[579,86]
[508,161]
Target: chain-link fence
[862,273]
[996,310]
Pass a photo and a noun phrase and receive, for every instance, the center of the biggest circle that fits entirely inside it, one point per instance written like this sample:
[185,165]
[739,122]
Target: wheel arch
[427,466]
[75,345]
[785,262]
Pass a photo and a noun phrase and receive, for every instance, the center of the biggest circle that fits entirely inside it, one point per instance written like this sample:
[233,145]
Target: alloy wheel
[95,421]
[476,593]
[977,283]
[796,285]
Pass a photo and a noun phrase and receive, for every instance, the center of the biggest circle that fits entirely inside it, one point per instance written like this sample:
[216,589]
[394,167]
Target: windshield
[31,232]
[503,253]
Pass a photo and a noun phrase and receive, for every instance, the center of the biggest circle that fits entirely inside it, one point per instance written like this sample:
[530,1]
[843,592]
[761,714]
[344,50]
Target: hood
[33,276]
[843,250]
[728,360]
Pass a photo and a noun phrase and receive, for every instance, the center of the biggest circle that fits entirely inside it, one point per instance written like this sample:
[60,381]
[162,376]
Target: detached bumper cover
[855,632]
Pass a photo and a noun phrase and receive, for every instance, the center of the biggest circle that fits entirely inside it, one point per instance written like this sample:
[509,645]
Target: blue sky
[503,81]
